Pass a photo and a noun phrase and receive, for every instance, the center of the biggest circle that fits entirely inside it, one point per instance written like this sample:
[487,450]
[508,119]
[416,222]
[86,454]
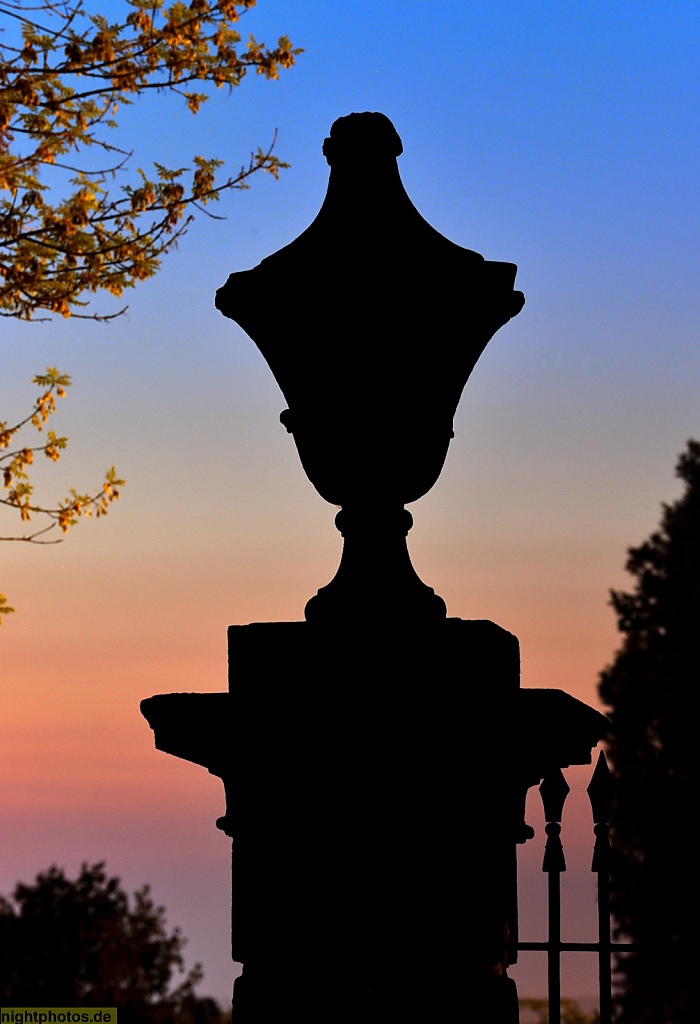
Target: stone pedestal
[375,757]
[375,784]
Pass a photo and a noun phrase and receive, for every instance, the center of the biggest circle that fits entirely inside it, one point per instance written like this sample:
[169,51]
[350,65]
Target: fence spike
[554,790]
[601,790]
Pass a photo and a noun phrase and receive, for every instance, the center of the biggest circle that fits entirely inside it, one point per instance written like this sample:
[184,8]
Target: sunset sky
[558,136]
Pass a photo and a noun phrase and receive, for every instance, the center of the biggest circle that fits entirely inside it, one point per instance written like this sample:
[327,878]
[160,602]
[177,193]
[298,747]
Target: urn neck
[366,192]
[376,581]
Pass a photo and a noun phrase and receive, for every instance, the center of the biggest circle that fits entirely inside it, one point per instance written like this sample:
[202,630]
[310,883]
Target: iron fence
[554,790]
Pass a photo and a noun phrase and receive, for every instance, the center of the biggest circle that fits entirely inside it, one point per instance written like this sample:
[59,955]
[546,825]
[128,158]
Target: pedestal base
[375,782]
[416,992]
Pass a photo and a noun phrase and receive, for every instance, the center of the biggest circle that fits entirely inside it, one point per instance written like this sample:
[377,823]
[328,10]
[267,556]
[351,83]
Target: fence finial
[601,790]
[554,790]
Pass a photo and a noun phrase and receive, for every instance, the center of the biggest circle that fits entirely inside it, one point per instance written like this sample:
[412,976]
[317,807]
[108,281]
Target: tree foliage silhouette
[536,1011]
[65,72]
[84,942]
[16,458]
[64,75]
[651,689]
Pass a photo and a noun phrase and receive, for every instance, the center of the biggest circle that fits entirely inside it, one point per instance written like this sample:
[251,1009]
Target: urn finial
[371,322]
[369,135]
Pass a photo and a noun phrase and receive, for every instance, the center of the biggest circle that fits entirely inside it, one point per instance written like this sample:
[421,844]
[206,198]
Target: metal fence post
[554,790]
[600,790]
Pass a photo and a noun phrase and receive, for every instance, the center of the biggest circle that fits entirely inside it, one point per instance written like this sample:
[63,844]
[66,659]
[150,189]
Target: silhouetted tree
[536,1011]
[85,943]
[65,73]
[67,228]
[651,689]
[17,456]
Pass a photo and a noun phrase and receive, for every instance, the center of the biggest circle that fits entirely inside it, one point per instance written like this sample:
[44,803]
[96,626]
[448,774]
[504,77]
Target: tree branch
[31,538]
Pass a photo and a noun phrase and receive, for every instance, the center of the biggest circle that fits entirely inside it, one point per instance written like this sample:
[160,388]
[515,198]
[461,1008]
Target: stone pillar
[374,784]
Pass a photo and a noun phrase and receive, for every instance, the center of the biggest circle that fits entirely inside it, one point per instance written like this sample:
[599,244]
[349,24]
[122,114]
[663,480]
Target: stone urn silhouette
[371,322]
[376,757]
